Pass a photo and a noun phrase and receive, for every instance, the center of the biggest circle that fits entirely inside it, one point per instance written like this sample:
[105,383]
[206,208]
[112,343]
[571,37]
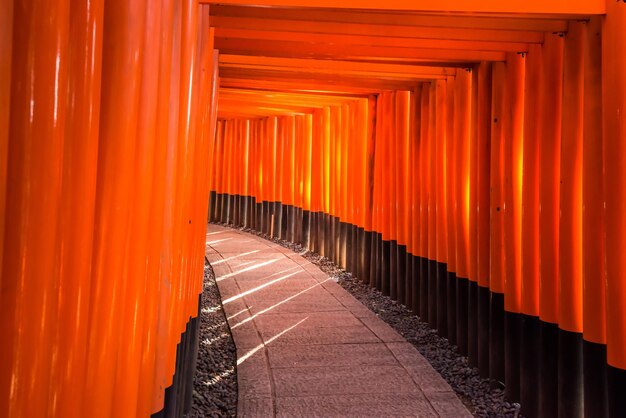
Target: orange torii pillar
[451,181]
[530,329]
[441,133]
[462,116]
[431,202]
[614,129]
[483,233]
[367,173]
[570,379]
[496,216]
[402,131]
[593,229]
[415,163]
[549,192]
[513,119]
[424,173]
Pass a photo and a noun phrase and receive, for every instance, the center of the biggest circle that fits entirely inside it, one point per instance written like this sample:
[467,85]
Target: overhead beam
[527,7]
[372,30]
[536,23]
[324,51]
[381,41]
[321,87]
[335,65]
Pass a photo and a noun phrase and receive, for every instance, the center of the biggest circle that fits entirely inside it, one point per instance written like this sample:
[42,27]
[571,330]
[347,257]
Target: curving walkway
[306,347]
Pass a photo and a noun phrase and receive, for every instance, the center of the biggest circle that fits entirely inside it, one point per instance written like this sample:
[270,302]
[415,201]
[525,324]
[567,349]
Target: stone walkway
[306,347]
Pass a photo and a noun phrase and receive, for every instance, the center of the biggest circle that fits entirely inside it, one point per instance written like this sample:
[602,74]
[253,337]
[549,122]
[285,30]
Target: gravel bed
[215,382]
[478,395]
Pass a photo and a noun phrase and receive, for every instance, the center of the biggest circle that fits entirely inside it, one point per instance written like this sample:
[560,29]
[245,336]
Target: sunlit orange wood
[462,114]
[31,177]
[440,172]
[451,177]
[496,179]
[289,49]
[488,6]
[549,172]
[371,40]
[614,101]
[337,66]
[424,31]
[6,47]
[513,119]
[424,167]
[571,204]
[395,18]
[594,273]
[533,114]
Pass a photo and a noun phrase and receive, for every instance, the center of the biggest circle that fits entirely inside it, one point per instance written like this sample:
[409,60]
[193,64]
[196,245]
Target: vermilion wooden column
[530,338]
[593,232]
[127,376]
[570,242]
[483,160]
[472,262]
[77,210]
[31,175]
[440,168]
[402,126]
[424,167]
[432,205]
[549,192]
[614,129]
[417,195]
[496,242]
[451,209]
[462,114]
[6,51]
[513,119]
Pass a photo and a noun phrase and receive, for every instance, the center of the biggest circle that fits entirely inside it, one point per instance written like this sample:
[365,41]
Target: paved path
[306,347]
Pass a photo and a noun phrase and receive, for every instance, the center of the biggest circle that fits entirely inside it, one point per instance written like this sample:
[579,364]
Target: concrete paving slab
[307,348]
[330,355]
[361,405]
[317,381]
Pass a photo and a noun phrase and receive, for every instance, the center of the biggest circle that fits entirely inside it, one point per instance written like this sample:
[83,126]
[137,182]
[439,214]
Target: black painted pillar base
[496,338]
[616,379]
[385,268]
[178,397]
[451,306]
[512,336]
[365,246]
[549,370]
[306,229]
[400,261]
[595,380]
[342,248]
[570,374]
[529,373]
[415,277]
[408,279]
[462,292]
[442,299]
[483,331]
[212,204]
[423,293]
[393,270]
[432,293]
[472,323]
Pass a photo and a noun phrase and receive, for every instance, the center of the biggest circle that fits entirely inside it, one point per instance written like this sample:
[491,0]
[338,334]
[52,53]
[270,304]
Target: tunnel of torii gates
[466,158]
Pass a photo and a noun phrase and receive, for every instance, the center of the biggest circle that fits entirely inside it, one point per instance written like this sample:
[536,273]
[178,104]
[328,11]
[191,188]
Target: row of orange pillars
[491,202]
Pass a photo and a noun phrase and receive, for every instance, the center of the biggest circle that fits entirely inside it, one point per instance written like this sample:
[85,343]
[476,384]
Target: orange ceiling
[285,57]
